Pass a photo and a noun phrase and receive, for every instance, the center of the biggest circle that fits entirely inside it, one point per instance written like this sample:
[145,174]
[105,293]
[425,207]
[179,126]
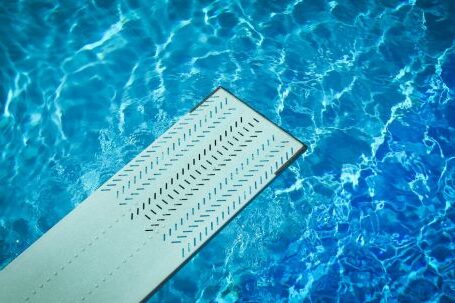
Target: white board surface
[139,227]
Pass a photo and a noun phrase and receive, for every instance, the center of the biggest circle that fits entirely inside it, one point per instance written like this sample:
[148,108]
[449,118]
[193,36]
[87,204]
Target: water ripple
[366,215]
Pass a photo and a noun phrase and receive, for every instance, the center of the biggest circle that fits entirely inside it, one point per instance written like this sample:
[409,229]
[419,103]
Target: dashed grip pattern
[141,225]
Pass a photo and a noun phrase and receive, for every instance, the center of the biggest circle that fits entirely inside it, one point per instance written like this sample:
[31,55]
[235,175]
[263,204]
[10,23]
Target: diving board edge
[278,172]
[304,146]
[190,257]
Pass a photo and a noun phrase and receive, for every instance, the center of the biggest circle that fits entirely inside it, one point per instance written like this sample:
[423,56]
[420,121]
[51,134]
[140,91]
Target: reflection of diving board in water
[140,226]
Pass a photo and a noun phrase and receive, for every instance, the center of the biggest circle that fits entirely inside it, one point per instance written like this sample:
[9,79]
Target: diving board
[139,227]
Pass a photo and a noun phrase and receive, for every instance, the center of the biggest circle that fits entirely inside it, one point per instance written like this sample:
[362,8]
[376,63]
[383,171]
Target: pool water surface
[365,215]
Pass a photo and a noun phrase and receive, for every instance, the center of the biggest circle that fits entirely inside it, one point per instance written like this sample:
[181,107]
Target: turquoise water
[366,215]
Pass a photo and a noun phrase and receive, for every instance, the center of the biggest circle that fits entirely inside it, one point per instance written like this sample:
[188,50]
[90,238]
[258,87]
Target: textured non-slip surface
[138,228]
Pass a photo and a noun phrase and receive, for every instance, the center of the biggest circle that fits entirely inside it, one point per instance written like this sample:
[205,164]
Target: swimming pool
[366,215]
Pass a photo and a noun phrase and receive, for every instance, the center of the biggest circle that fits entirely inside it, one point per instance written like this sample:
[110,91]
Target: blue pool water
[366,215]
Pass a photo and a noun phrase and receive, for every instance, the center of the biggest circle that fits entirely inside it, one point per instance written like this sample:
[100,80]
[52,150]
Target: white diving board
[138,228]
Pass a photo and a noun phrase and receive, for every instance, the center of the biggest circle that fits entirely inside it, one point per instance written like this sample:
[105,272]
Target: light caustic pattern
[365,215]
